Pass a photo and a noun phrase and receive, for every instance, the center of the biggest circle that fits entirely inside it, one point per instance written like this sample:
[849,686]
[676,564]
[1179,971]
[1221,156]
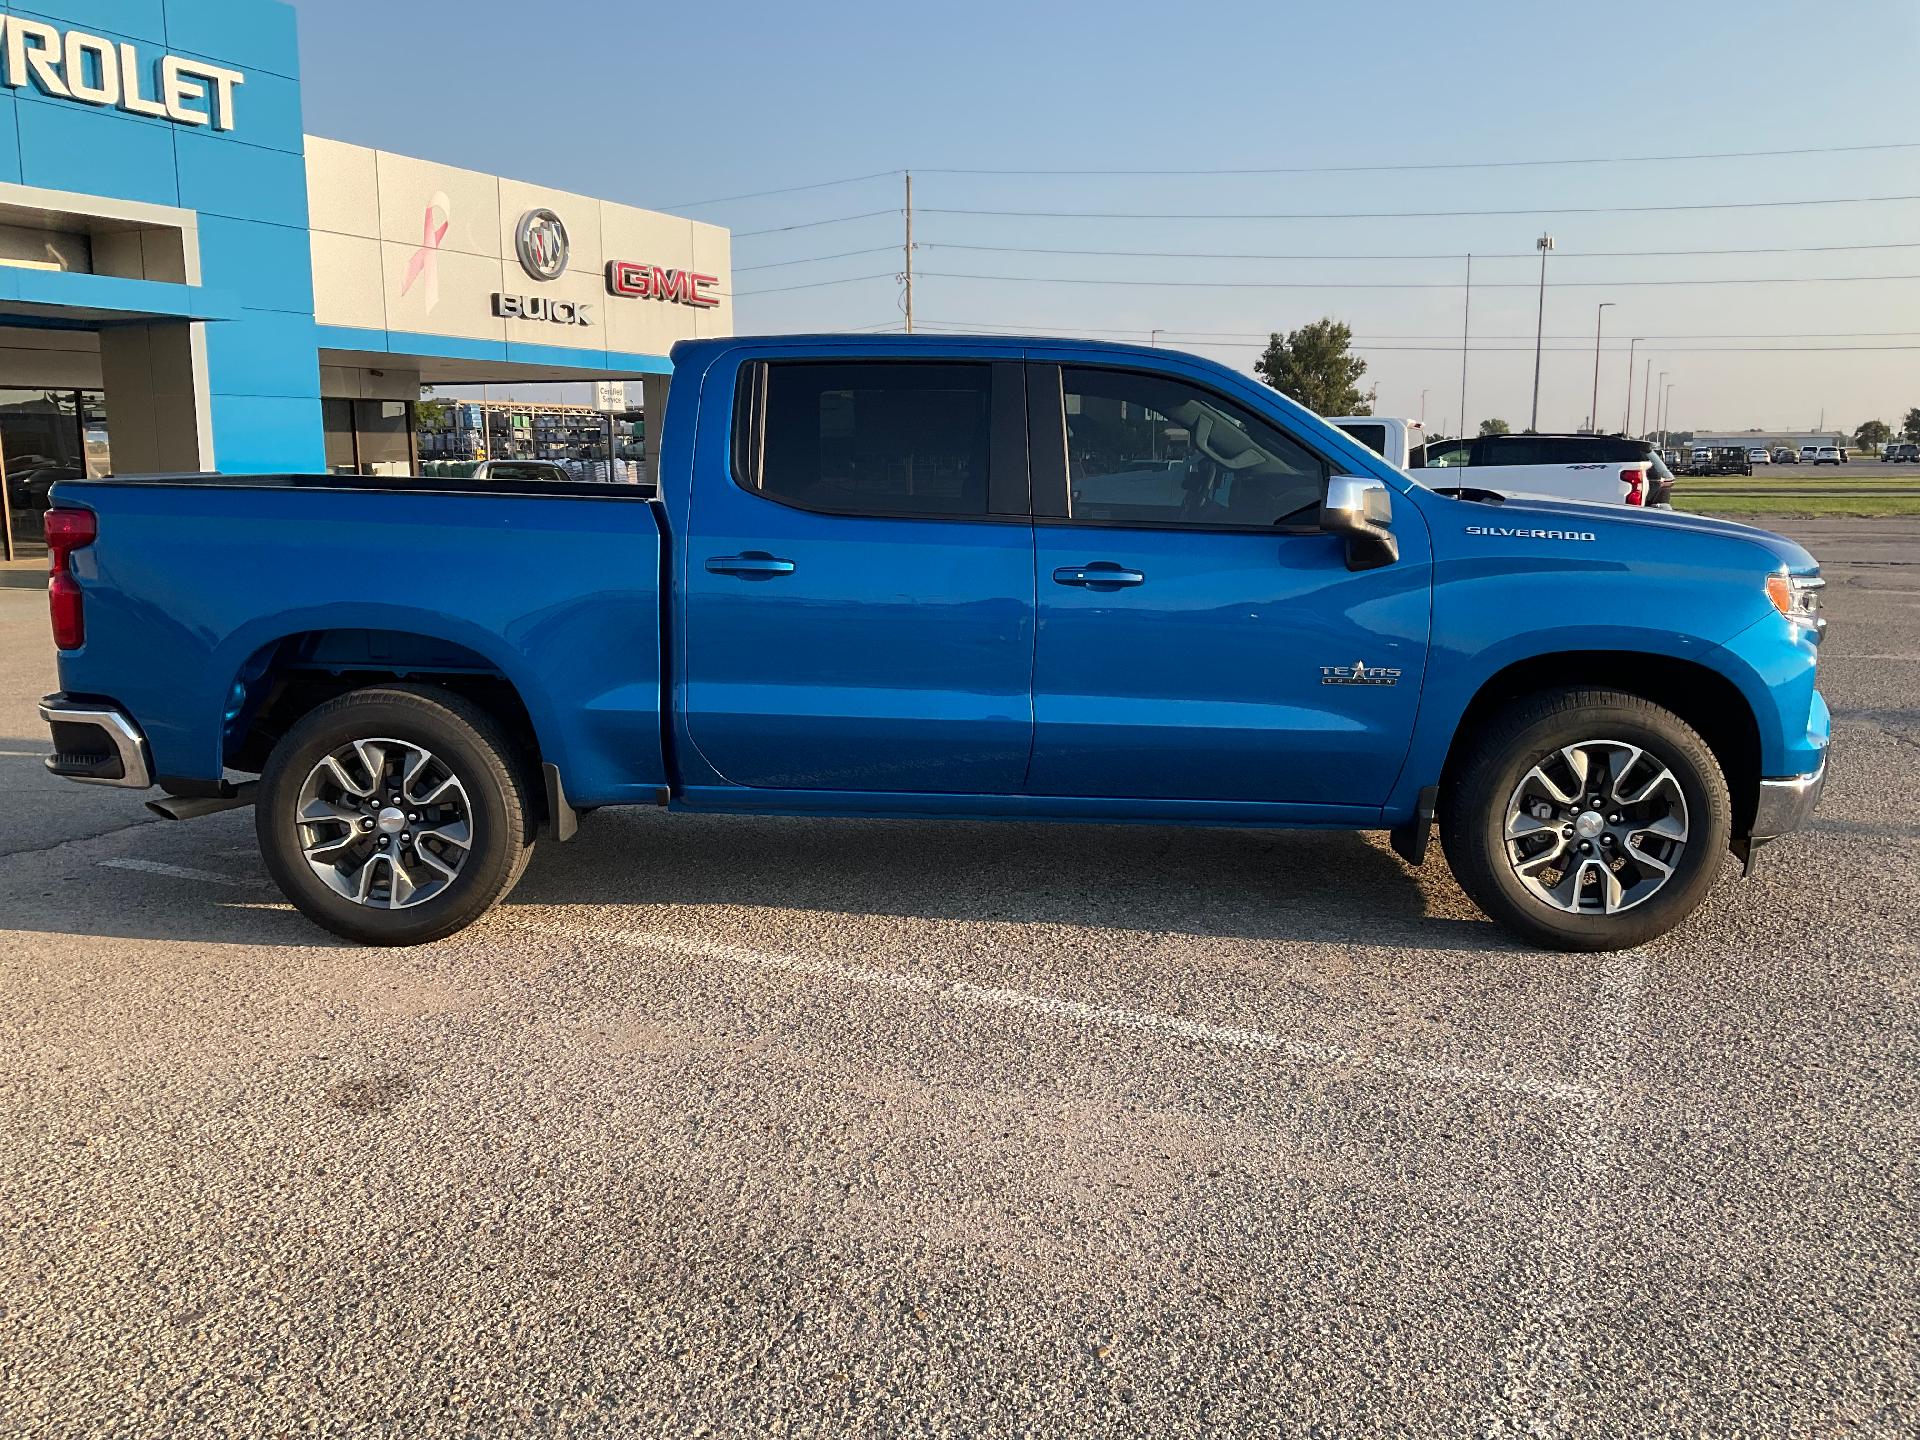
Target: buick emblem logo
[541,240]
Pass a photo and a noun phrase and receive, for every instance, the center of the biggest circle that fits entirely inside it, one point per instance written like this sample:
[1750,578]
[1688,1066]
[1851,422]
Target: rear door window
[884,438]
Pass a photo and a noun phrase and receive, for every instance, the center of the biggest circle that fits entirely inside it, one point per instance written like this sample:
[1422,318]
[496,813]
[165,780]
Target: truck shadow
[1329,886]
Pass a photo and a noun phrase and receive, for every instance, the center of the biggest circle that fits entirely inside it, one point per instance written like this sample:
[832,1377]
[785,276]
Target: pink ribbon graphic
[426,260]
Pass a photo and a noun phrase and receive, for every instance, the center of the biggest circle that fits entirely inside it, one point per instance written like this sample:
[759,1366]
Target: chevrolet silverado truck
[971,578]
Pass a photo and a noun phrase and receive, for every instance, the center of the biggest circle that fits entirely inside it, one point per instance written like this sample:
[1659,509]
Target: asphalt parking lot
[741,1126]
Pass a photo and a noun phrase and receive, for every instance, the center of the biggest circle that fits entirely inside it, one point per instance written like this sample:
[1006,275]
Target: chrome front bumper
[1784,805]
[96,743]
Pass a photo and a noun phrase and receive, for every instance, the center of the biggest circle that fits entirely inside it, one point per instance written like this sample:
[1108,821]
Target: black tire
[1473,814]
[472,745]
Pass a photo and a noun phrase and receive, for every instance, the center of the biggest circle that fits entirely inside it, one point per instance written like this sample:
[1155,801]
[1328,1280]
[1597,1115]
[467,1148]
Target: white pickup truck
[1593,469]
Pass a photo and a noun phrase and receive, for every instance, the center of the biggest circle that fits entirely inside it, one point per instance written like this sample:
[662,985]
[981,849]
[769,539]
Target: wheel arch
[1705,698]
[290,675]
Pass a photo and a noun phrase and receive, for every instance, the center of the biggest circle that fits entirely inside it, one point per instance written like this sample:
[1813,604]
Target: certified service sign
[541,239]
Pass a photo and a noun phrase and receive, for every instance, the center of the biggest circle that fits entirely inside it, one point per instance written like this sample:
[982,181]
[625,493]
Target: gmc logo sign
[651,282]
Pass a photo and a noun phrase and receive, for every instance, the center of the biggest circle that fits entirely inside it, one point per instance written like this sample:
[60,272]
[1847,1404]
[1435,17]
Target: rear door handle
[754,565]
[1100,575]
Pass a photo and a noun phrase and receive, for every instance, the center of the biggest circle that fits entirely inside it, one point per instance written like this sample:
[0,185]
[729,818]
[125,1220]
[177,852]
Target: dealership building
[189,281]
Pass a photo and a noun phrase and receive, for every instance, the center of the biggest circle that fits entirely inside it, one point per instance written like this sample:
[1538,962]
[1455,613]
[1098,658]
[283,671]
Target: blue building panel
[64,146]
[269,267]
[247,36]
[9,139]
[241,182]
[267,434]
[265,353]
[141,20]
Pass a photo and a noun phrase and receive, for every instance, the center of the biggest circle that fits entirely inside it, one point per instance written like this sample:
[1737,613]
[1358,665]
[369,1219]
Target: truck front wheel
[1587,819]
[395,815]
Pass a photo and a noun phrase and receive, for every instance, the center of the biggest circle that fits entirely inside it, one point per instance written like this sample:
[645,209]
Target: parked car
[1721,460]
[549,471]
[1828,455]
[1786,455]
[1760,455]
[1592,469]
[902,577]
[1901,452]
[1807,452]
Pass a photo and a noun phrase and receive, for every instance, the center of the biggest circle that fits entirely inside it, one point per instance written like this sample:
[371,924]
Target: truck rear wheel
[395,815]
[1587,819]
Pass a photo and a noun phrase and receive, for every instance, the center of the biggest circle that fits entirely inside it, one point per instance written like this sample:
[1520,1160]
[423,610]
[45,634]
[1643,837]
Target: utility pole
[1544,245]
[909,252]
[1466,328]
[1593,407]
[1153,338]
[1626,425]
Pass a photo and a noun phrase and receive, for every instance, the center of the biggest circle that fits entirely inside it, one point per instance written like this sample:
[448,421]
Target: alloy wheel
[1597,827]
[385,823]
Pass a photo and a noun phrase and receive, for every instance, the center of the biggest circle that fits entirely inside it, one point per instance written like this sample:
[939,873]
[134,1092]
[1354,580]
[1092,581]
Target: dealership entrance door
[46,435]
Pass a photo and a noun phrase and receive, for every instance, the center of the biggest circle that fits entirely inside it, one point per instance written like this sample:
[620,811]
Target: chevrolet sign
[73,65]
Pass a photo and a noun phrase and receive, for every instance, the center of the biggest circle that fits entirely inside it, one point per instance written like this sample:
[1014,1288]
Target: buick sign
[541,239]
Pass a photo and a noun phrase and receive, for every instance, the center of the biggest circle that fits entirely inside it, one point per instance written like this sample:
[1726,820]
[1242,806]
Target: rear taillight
[1636,483]
[67,531]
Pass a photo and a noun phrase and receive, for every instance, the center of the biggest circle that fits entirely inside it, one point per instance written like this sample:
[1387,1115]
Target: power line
[1416,214]
[1261,335]
[1462,164]
[819,284]
[812,224]
[1381,168]
[784,190]
[1457,255]
[1399,284]
[1453,348]
[816,259]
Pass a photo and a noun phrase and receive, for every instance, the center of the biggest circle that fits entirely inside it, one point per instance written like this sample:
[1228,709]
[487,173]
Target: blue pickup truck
[1024,579]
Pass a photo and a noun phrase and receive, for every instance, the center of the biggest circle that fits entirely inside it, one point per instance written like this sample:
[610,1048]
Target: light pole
[1666,410]
[1646,398]
[1593,406]
[1423,409]
[1544,245]
[1626,426]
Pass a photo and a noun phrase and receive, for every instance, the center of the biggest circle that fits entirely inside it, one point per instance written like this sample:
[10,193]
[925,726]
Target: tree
[1873,434]
[1910,427]
[430,414]
[1495,427]
[1313,366]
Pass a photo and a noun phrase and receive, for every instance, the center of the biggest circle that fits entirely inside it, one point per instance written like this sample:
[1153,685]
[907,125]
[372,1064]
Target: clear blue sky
[663,105]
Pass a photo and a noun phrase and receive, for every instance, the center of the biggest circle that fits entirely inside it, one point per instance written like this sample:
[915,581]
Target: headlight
[1798,598]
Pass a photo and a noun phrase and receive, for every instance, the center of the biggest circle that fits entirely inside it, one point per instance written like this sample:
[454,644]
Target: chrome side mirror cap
[1361,509]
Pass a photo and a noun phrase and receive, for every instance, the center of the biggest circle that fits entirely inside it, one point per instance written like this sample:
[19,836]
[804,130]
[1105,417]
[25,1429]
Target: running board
[192,807]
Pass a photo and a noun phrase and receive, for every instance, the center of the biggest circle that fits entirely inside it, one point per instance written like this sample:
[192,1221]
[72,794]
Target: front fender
[1455,678]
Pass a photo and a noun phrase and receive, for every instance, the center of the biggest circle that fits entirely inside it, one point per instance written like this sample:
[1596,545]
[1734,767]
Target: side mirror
[1362,510]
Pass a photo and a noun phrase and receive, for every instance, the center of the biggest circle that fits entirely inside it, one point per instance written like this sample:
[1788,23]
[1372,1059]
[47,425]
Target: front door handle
[1100,575]
[754,565]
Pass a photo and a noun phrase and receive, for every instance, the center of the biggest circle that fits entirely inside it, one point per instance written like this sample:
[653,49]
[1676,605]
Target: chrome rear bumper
[96,743]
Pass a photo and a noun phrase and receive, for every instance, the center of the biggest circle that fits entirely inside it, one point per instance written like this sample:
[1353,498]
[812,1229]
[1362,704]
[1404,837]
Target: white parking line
[1540,1364]
[178,872]
[994,997]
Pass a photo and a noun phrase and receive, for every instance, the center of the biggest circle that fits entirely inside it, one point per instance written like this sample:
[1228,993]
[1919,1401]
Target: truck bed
[554,587]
